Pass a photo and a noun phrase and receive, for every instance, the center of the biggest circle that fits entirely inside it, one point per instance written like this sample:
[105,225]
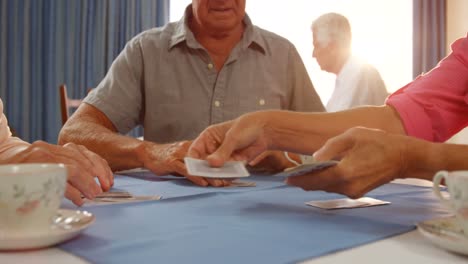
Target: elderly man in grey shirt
[211,66]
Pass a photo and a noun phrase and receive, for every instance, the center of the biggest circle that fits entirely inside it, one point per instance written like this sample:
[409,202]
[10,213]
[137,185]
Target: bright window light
[382,33]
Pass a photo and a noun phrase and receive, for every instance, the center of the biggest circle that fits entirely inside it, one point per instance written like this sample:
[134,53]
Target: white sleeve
[9,145]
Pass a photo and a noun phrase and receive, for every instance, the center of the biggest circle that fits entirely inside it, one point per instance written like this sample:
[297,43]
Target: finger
[99,168]
[201,147]
[258,159]
[215,182]
[318,180]
[200,181]
[223,152]
[83,181]
[227,182]
[180,168]
[79,177]
[358,187]
[247,154]
[334,147]
[73,195]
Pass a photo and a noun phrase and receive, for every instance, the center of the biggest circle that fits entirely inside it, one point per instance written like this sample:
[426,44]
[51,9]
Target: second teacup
[457,185]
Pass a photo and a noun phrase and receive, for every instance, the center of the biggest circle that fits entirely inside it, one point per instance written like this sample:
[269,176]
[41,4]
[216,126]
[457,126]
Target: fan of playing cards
[231,169]
[307,168]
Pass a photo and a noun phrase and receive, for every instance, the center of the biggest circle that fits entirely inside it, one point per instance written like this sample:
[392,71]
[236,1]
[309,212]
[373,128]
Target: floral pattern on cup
[30,200]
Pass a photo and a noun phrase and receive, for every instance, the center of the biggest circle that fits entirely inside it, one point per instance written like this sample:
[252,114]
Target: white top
[358,83]
[9,146]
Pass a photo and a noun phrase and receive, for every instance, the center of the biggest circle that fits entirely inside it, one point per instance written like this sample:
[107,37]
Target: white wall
[382,33]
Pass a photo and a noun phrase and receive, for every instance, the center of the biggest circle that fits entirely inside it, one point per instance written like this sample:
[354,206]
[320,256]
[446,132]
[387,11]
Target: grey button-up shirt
[165,80]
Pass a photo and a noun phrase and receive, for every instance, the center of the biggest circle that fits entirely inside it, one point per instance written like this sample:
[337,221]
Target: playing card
[307,168]
[347,203]
[113,194]
[242,184]
[231,169]
[114,200]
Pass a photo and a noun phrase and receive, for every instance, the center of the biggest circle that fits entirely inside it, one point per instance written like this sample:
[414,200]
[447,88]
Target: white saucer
[445,233]
[73,223]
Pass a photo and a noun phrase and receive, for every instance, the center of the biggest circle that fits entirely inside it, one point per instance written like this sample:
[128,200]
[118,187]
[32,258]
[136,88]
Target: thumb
[222,154]
[334,147]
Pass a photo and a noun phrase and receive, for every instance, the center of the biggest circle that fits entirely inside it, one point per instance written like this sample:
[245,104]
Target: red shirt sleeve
[435,105]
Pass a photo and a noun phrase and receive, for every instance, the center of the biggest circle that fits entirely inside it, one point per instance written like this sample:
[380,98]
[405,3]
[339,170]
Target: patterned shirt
[166,81]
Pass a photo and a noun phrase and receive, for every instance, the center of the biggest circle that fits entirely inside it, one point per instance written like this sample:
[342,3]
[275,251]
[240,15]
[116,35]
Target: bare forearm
[119,151]
[424,159]
[303,132]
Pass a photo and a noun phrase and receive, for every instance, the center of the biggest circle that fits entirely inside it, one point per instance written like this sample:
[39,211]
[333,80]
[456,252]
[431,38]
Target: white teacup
[30,195]
[457,184]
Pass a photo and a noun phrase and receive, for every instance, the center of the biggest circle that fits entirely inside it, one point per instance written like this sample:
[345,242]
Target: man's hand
[169,159]
[82,166]
[241,139]
[369,158]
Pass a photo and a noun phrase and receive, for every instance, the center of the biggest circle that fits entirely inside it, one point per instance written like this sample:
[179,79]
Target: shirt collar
[183,33]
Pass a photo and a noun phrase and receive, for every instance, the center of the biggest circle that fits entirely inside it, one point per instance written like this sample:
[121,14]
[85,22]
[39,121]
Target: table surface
[409,247]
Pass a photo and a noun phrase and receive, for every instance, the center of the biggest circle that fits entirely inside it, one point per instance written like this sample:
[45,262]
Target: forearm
[121,152]
[306,132]
[424,159]
[11,147]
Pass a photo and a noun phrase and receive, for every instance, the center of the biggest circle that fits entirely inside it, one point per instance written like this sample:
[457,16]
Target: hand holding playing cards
[169,159]
[242,139]
[369,158]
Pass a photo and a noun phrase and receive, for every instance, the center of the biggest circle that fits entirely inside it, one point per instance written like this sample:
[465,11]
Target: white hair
[332,27]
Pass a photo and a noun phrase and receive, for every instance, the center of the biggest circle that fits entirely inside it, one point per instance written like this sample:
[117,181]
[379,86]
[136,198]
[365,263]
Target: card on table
[118,196]
[113,194]
[307,168]
[231,169]
[114,200]
[237,183]
[347,203]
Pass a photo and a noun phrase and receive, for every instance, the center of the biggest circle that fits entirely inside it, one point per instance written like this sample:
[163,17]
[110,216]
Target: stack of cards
[307,168]
[231,169]
[120,197]
[347,203]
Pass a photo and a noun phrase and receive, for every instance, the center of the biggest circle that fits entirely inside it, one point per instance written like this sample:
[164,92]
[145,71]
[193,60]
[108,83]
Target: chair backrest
[67,103]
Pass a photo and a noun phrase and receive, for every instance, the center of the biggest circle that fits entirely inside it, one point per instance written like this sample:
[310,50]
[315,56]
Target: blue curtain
[44,43]
[429,20]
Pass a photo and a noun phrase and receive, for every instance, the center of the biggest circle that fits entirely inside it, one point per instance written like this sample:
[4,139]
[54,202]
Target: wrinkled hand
[241,139]
[169,159]
[369,158]
[82,166]
[274,161]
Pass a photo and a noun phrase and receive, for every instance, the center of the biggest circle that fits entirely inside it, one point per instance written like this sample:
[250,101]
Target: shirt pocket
[264,98]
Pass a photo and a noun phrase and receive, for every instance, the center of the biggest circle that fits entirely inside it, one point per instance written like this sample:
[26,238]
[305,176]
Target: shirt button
[261,102]
[210,66]
[217,103]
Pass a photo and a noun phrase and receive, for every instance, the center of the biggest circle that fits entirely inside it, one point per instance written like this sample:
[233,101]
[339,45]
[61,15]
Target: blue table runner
[266,224]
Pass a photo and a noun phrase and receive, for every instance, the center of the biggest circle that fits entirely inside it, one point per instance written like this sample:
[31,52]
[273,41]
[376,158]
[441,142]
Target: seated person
[211,66]
[82,164]
[357,83]
[432,108]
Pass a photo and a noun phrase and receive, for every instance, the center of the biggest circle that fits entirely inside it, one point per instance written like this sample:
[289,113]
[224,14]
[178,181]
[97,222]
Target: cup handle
[436,187]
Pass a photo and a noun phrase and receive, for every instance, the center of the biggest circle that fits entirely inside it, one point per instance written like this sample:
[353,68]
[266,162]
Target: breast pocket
[264,98]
